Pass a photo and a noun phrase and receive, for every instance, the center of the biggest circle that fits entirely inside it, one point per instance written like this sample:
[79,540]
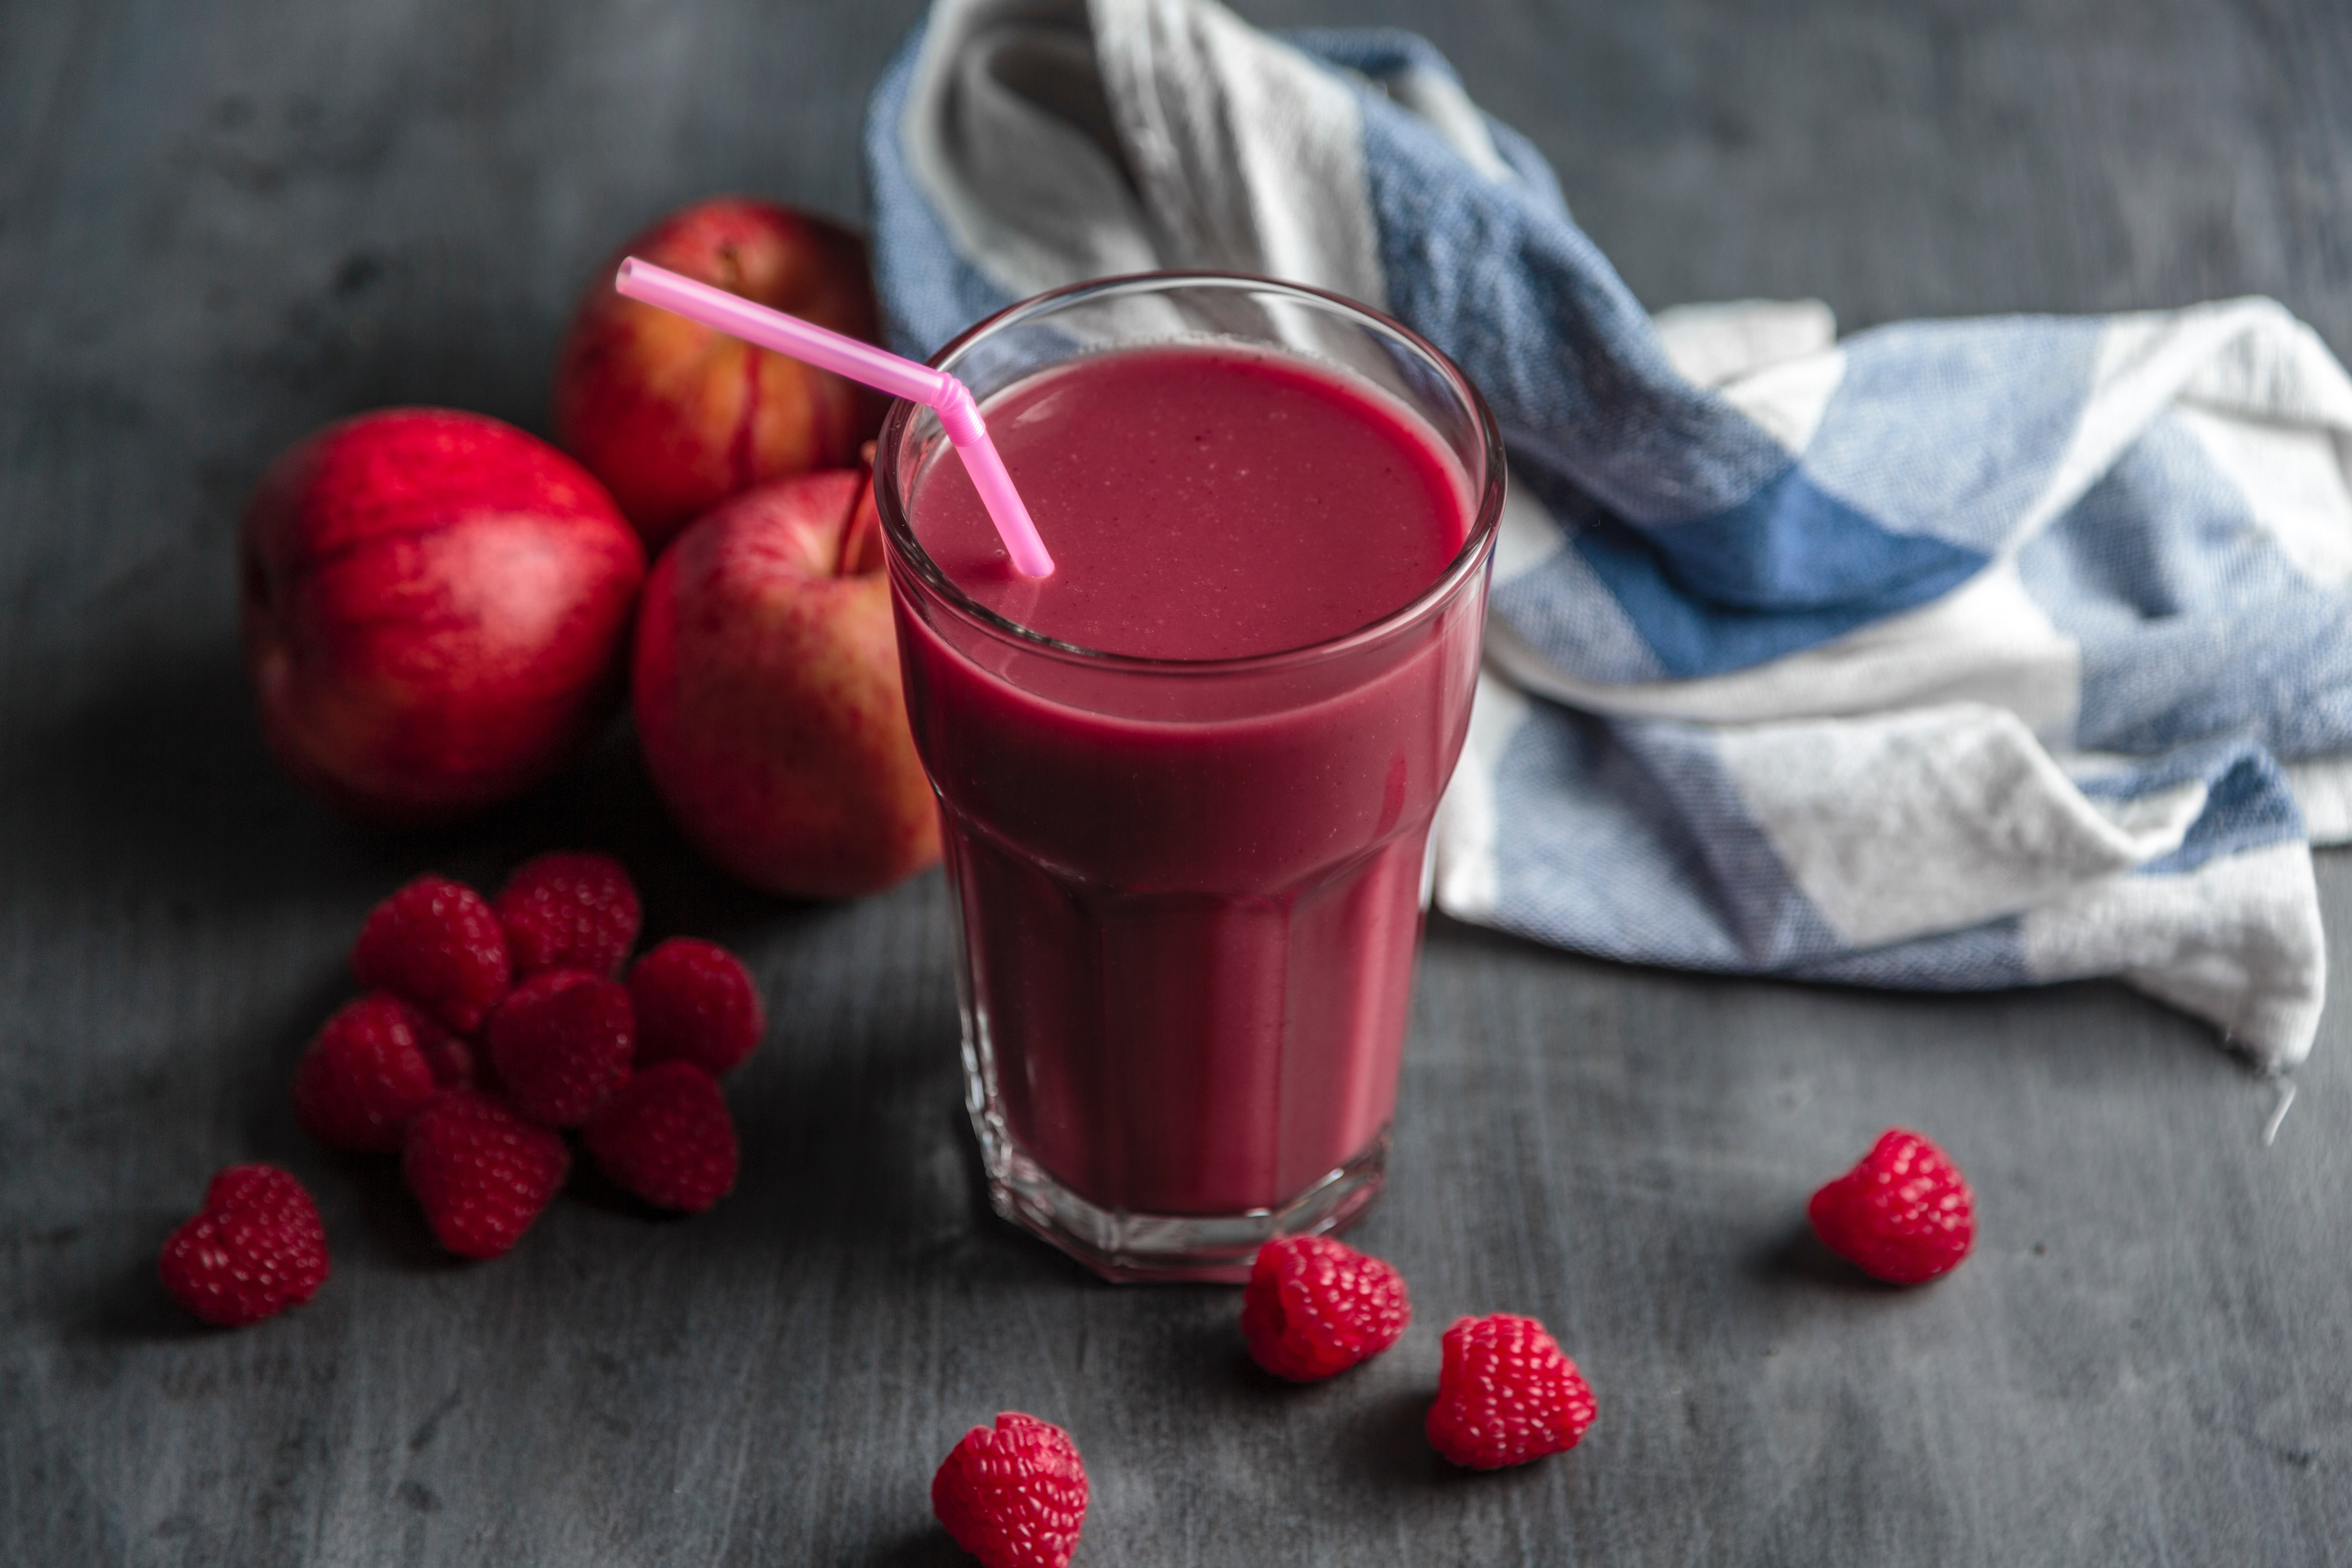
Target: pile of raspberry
[490,1031]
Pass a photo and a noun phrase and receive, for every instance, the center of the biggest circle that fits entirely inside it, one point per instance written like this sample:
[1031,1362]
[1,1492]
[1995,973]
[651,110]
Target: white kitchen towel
[1949,655]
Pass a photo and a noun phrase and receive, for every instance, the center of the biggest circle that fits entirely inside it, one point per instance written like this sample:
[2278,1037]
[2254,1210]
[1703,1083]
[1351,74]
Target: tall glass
[1190,892]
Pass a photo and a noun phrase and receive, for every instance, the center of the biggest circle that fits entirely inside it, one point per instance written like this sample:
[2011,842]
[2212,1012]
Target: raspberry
[1506,1395]
[695,1003]
[435,943]
[366,1074]
[667,1138]
[562,1043]
[255,1248]
[454,1061]
[1904,1214]
[569,912]
[1014,1495]
[482,1172]
[1315,1307]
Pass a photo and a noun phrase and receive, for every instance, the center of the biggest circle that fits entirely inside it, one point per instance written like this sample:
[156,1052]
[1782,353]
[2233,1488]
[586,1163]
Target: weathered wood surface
[221,224]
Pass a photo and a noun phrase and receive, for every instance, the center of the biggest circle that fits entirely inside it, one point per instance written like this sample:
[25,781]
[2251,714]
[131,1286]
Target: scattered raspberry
[435,943]
[696,1003]
[366,1074]
[1014,1495]
[1315,1307]
[667,1138]
[570,910]
[562,1043]
[1506,1395]
[482,1172]
[1904,1214]
[253,1249]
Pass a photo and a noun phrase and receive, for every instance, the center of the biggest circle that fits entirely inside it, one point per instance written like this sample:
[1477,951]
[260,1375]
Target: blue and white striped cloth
[1951,654]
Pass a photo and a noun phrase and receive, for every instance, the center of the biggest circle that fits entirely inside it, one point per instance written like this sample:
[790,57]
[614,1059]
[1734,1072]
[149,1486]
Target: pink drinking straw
[884,372]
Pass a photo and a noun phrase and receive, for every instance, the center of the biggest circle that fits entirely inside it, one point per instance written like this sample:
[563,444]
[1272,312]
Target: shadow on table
[866,1149]
[131,1306]
[161,782]
[931,1547]
[163,779]
[1391,1449]
[1796,1258]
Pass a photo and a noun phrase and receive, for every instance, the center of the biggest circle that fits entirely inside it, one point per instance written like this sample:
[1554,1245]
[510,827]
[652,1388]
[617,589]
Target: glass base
[1128,1248]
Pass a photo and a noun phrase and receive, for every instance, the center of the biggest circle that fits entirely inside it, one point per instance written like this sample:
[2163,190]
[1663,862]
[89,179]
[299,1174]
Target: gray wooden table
[223,224]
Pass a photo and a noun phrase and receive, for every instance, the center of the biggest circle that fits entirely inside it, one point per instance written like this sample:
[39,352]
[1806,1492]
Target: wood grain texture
[222,224]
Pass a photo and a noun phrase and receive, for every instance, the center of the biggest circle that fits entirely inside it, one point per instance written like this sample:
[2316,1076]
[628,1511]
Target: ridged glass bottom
[1135,1249]
[1123,1246]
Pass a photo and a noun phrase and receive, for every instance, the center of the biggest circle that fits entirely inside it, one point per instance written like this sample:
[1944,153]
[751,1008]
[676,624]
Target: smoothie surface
[1202,501]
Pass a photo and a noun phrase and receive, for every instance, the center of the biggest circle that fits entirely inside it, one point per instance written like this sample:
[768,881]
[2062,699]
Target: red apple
[675,417]
[767,697]
[436,610]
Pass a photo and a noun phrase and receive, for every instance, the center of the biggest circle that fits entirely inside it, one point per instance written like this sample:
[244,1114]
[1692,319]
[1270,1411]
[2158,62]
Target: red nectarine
[766,691]
[674,417]
[436,610]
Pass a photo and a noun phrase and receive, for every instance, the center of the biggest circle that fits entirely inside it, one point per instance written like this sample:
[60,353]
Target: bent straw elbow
[959,413]
[860,361]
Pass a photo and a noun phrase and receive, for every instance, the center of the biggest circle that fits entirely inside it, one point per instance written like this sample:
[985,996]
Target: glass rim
[898,531]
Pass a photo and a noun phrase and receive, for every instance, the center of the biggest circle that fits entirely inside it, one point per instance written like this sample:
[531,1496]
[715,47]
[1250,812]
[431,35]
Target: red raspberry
[253,1249]
[1315,1307]
[667,1138]
[452,1057]
[562,1043]
[1506,1395]
[455,1062]
[482,1172]
[570,910]
[435,943]
[1014,1495]
[1904,1214]
[696,1004]
[366,1074]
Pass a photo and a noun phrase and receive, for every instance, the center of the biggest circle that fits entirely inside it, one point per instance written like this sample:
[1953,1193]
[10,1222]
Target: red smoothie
[1189,875]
